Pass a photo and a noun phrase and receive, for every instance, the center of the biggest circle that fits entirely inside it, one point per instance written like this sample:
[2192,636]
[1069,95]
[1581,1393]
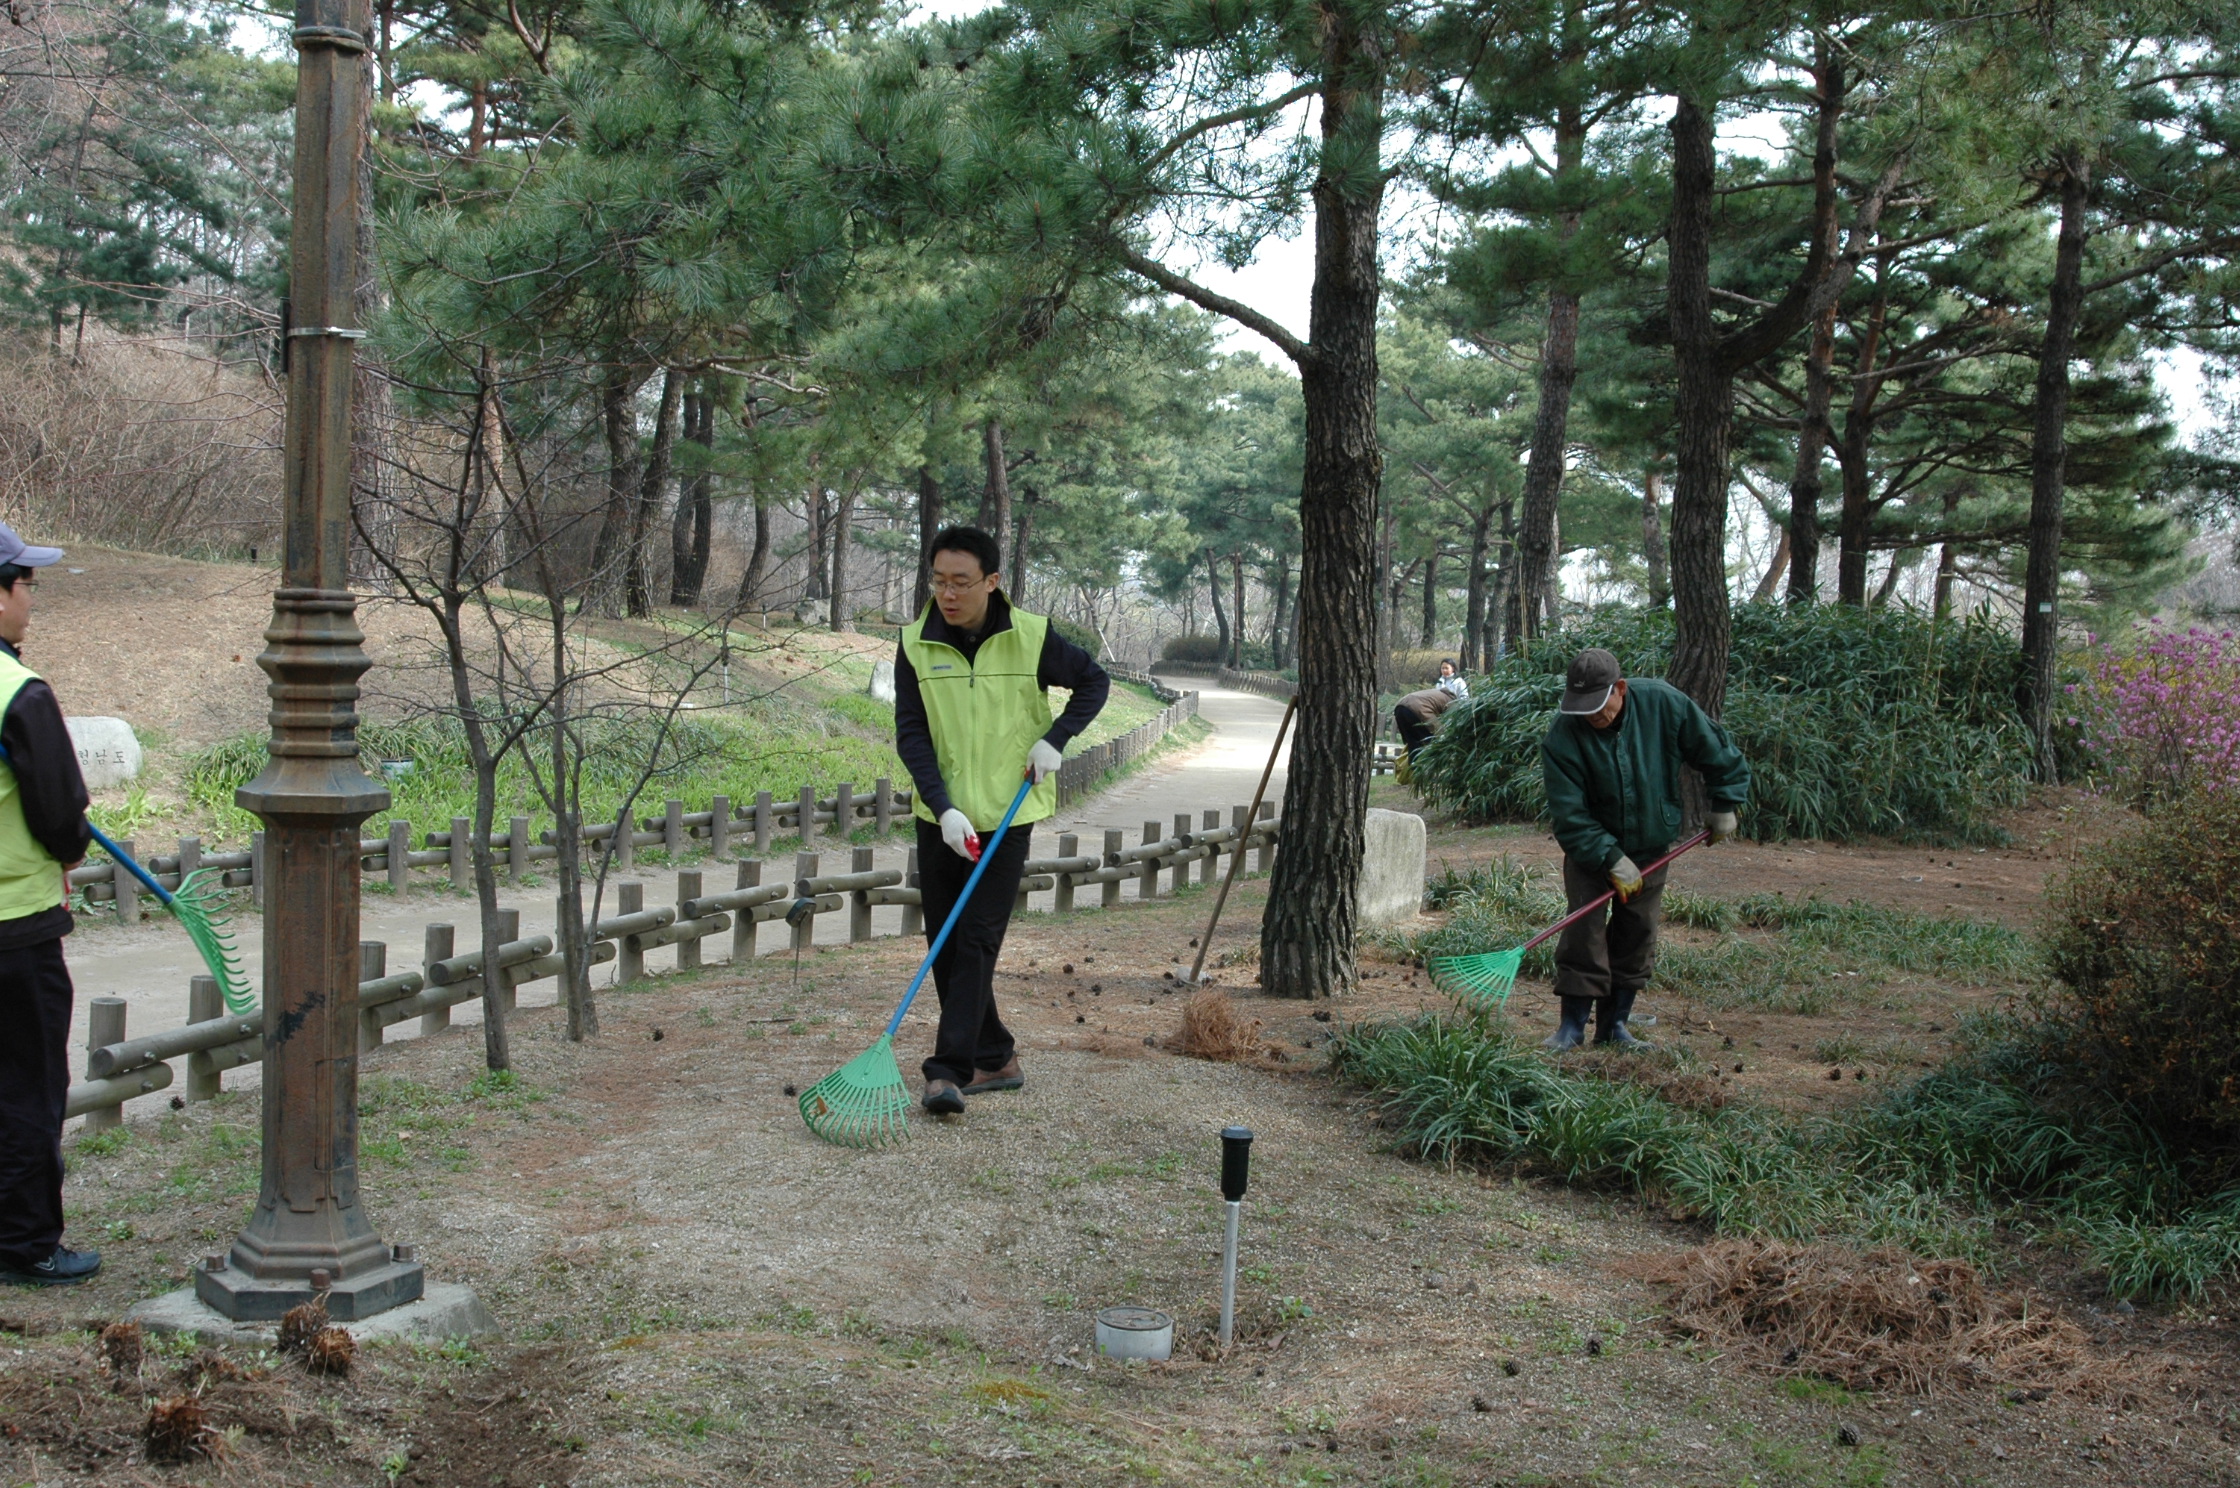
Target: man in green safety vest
[971,720]
[42,834]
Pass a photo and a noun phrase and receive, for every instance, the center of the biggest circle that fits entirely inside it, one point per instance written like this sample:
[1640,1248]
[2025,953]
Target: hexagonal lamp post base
[265,1298]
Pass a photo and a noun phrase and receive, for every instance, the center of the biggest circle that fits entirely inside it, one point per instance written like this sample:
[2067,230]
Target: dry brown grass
[1212,1028]
[330,1351]
[122,1349]
[179,1430]
[300,1324]
[1879,1320]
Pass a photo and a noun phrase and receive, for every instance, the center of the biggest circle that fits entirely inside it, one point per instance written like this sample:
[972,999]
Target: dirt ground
[695,1290]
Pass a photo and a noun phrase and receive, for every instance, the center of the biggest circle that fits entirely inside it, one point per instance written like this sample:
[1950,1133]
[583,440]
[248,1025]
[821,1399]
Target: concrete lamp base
[445,1311]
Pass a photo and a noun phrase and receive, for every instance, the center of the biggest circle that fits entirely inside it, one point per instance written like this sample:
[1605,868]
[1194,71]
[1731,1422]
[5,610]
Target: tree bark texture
[1236,643]
[1474,598]
[1948,561]
[618,417]
[1812,448]
[843,517]
[995,498]
[1213,589]
[1652,542]
[1851,460]
[816,512]
[1559,371]
[1431,598]
[2049,451]
[929,522]
[758,557]
[638,598]
[1307,932]
[1704,401]
[693,531]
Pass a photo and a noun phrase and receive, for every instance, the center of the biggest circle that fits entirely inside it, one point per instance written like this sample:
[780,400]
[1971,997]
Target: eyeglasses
[958,586]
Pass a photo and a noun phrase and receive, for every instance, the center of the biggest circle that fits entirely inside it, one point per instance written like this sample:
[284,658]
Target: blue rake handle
[986,853]
[113,850]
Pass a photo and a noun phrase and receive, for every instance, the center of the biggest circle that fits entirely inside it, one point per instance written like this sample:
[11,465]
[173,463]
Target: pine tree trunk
[1559,371]
[1474,601]
[1704,403]
[1551,588]
[814,510]
[1812,445]
[758,557]
[929,523]
[1501,591]
[1279,626]
[843,516]
[1017,564]
[1948,561]
[2041,589]
[1652,542]
[638,599]
[1851,461]
[618,418]
[995,498]
[693,532]
[1213,588]
[1431,598]
[1307,931]
[1236,643]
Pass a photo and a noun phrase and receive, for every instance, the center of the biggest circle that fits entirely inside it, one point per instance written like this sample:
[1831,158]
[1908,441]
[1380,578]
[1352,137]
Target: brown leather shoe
[943,1098]
[1010,1077]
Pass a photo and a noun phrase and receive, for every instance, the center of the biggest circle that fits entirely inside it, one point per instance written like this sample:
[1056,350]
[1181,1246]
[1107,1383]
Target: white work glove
[1043,760]
[1722,825]
[1625,878]
[956,831]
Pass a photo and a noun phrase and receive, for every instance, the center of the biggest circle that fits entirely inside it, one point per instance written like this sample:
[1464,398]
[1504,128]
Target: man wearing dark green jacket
[1611,761]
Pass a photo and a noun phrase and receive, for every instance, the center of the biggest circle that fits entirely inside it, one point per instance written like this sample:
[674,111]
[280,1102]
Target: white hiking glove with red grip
[1043,760]
[956,831]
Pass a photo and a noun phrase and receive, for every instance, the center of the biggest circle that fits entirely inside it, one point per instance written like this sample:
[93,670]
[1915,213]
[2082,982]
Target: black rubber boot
[1572,1031]
[1610,1015]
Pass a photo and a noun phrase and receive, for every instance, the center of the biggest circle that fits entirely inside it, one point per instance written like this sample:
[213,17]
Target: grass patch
[1989,1142]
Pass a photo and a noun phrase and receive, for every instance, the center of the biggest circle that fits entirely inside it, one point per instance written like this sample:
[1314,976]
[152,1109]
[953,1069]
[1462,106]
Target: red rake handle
[1591,906]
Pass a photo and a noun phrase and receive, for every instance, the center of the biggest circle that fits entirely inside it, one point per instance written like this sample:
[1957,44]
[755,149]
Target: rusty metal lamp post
[309,1235]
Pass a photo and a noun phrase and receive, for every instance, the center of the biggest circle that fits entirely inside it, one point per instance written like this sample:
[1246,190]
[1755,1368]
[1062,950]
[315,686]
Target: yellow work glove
[1722,825]
[1625,878]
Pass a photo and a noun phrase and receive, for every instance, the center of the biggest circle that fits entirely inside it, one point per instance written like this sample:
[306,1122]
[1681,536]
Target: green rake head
[1480,983]
[863,1103]
[198,910]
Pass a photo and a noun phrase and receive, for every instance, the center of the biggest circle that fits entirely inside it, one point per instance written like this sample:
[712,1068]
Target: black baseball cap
[1586,687]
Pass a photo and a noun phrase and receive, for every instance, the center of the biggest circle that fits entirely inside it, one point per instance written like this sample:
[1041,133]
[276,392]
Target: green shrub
[1203,649]
[2145,942]
[1084,636]
[1854,721]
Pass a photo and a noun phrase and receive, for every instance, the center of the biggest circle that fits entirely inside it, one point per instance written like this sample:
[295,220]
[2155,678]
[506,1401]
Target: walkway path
[149,964]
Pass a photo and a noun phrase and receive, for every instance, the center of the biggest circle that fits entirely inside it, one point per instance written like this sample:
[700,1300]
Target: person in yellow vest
[43,834]
[971,720]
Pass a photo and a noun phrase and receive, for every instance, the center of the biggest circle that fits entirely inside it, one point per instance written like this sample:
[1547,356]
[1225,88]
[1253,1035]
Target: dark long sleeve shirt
[45,762]
[1062,664]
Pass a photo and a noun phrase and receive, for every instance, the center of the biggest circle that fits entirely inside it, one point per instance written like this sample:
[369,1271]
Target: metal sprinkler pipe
[1236,1169]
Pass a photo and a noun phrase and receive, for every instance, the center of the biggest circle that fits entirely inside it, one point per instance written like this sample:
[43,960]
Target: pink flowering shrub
[2162,721]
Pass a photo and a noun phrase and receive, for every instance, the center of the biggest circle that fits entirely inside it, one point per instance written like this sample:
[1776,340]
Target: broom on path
[197,913]
[1483,982]
[864,1102]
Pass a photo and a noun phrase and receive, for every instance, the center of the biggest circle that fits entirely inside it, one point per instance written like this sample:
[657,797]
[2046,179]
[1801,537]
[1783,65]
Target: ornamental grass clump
[2161,722]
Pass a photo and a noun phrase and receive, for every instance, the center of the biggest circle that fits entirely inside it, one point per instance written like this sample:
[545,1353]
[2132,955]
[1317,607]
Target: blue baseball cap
[14,549]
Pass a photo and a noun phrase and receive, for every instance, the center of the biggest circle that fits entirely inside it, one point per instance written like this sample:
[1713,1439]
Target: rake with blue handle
[864,1102]
[195,909]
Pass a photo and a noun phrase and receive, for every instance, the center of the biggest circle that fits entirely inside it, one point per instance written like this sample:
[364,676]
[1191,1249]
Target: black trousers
[971,1035]
[35,998]
[1611,950]
[1414,732]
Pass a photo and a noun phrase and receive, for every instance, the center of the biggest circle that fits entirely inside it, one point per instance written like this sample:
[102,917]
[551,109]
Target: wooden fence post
[626,840]
[256,870]
[204,1002]
[509,929]
[808,812]
[1147,886]
[1267,854]
[843,810]
[1061,894]
[882,806]
[1114,840]
[719,827]
[400,856]
[743,924]
[913,915]
[190,857]
[804,866]
[1237,815]
[517,849]
[763,813]
[859,900]
[1181,870]
[672,830]
[437,946]
[128,889]
[629,962]
[373,965]
[105,1026]
[1212,860]
[688,889]
[462,855]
